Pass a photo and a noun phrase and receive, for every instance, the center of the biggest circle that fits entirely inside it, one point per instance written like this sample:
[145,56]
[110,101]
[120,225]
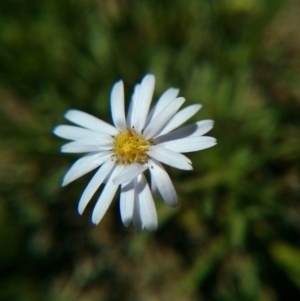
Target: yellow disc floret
[131,147]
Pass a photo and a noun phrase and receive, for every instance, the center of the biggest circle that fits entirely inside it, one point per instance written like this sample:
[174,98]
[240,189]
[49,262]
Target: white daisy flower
[121,153]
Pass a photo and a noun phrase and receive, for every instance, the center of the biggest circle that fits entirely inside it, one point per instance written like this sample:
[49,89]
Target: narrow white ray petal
[169,157]
[195,129]
[129,172]
[74,132]
[127,203]
[181,117]
[85,165]
[90,122]
[94,184]
[163,182]
[141,105]
[157,123]
[203,127]
[117,106]
[106,197]
[136,218]
[190,144]
[146,204]
[166,98]
[87,145]
[134,99]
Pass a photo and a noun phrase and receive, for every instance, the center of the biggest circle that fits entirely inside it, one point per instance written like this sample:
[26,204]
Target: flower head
[121,153]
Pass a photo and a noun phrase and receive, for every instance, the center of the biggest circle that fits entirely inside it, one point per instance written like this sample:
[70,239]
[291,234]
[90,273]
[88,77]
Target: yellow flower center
[131,147]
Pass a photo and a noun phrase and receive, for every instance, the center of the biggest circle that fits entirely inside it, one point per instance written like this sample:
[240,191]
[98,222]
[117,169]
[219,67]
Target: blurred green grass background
[235,235]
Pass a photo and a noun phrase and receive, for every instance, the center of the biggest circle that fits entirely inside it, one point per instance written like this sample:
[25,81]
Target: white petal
[94,184]
[127,203]
[87,146]
[190,144]
[141,105]
[85,165]
[146,204]
[181,117]
[163,182]
[203,127]
[117,106]
[74,132]
[195,129]
[134,98]
[105,198]
[129,172]
[157,123]
[90,122]
[169,157]
[166,98]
